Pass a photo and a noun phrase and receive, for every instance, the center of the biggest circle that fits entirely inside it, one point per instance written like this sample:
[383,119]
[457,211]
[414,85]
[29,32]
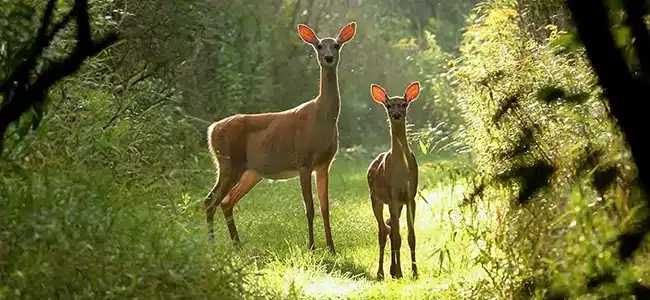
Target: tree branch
[19,93]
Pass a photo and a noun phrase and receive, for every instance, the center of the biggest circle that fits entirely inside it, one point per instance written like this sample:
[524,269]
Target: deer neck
[329,102]
[398,142]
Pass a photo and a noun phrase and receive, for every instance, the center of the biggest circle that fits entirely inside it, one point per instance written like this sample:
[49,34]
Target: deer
[393,179]
[282,145]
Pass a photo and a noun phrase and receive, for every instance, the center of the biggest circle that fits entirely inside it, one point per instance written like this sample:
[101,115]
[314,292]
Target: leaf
[622,36]
[37,116]
[423,147]
[566,42]
[563,40]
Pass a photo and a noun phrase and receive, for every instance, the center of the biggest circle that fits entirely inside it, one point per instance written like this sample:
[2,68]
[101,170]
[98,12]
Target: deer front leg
[410,218]
[395,241]
[305,185]
[322,183]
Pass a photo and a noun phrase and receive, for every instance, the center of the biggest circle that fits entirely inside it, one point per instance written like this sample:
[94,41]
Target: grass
[272,226]
[74,229]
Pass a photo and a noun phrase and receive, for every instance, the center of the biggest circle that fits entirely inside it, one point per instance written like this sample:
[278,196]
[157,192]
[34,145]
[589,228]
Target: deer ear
[412,91]
[307,34]
[347,33]
[378,93]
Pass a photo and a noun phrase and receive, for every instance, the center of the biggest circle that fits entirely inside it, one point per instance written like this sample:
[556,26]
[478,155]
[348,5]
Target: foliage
[24,89]
[520,124]
[525,179]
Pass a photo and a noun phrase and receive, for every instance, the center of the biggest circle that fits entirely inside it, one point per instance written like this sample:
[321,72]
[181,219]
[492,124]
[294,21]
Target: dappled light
[223,149]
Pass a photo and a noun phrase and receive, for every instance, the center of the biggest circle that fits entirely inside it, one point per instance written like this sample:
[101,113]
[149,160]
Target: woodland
[529,133]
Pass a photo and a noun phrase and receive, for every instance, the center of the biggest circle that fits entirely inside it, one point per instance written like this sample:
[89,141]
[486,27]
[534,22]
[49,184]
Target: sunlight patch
[331,287]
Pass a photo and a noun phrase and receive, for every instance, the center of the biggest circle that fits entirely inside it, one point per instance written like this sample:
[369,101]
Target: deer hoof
[397,274]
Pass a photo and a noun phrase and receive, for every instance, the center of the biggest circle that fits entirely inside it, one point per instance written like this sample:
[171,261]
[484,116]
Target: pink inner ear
[378,94]
[347,32]
[412,91]
[307,34]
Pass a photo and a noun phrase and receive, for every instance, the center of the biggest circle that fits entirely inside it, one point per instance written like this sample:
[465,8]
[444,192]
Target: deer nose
[396,116]
[329,58]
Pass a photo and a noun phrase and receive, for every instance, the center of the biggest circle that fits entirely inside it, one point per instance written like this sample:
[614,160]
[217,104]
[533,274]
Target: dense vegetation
[526,178]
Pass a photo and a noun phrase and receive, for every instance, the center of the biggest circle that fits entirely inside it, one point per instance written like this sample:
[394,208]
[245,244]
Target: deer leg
[391,267]
[382,233]
[410,218]
[395,241]
[247,181]
[210,208]
[305,185]
[224,183]
[322,183]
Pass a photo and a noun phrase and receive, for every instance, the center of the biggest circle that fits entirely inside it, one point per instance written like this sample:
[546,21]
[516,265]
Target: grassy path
[79,237]
[272,226]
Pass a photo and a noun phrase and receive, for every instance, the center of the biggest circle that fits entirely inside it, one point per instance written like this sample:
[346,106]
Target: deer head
[396,106]
[327,49]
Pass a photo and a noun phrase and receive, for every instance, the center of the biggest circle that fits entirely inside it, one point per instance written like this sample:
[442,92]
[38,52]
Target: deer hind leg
[410,218]
[382,233]
[247,181]
[224,183]
[322,183]
[305,185]
[395,241]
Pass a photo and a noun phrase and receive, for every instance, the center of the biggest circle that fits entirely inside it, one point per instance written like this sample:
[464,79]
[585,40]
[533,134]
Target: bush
[530,107]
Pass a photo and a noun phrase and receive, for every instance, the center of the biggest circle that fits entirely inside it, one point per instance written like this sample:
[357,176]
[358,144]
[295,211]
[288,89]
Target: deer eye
[388,106]
[319,46]
[336,46]
[404,105]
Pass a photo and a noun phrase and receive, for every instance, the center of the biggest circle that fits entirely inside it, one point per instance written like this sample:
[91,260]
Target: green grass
[74,230]
[272,225]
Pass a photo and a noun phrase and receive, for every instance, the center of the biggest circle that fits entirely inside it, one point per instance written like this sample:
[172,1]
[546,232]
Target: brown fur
[393,180]
[281,145]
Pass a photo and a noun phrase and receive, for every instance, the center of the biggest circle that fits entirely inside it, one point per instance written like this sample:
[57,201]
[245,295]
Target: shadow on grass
[347,268]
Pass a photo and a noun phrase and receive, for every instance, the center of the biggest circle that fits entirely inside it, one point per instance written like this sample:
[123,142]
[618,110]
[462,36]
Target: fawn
[393,180]
[282,145]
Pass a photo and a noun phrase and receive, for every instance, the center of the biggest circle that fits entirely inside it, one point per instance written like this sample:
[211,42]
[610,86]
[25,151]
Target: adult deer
[393,180]
[282,145]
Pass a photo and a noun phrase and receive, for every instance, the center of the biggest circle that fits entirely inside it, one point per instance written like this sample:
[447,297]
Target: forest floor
[272,226]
